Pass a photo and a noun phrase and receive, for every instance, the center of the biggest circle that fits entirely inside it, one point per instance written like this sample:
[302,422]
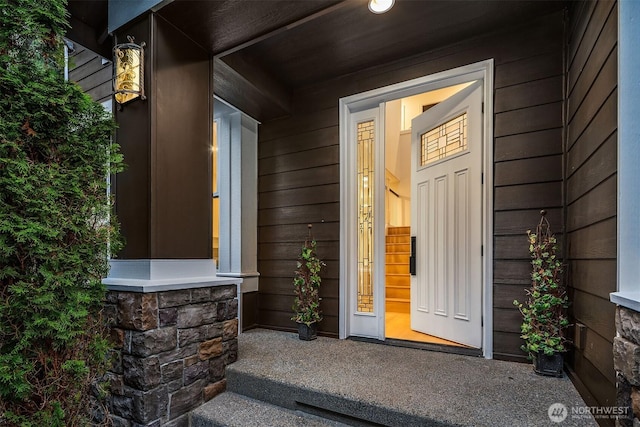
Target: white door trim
[373,98]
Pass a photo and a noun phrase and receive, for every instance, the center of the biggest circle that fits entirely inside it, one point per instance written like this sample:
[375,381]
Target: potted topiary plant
[306,283]
[545,311]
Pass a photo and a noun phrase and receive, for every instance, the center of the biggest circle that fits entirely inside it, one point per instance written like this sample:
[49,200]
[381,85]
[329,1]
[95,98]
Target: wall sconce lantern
[128,71]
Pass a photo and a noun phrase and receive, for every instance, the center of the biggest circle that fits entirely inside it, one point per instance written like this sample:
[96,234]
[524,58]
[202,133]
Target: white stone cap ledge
[628,299]
[146,286]
[161,275]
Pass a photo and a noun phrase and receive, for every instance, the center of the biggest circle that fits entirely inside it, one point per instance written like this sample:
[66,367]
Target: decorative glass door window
[443,141]
[365,149]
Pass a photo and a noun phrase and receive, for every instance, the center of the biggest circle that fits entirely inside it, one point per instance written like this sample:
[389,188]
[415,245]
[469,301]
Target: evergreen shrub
[55,224]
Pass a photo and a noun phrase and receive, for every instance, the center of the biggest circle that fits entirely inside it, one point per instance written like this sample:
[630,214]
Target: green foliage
[55,223]
[544,313]
[306,283]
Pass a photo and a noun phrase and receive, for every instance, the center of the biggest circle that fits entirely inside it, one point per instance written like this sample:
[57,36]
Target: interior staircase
[397,289]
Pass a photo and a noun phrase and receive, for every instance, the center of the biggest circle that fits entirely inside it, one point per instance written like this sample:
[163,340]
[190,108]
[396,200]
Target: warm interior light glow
[380,6]
[128,83]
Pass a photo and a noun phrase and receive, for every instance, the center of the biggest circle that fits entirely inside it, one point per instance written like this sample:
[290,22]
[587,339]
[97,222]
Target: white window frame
[238,194]
[628,294]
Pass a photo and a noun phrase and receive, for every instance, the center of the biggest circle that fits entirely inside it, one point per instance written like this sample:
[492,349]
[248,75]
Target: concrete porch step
[362,383]
[234,410]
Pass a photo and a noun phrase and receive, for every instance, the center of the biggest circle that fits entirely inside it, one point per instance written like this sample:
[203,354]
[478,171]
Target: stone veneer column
[171,350]
[626,361]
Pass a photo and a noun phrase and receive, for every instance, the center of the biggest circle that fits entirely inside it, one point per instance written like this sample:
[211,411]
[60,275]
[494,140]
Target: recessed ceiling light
[380,6]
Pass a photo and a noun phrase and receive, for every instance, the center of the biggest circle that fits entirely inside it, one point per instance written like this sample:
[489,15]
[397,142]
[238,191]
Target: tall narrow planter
[550,366]
[307,332]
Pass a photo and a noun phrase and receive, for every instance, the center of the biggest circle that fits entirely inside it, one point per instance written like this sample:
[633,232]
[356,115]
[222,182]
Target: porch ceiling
[265,50]
[88,25]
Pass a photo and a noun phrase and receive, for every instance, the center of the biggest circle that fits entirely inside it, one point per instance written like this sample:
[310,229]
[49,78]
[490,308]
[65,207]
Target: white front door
[446,218]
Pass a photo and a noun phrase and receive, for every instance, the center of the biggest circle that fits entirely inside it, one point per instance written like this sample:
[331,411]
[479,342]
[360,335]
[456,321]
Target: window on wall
[215,208]
[446,140]
[234,157]
[628,294]
[366,146]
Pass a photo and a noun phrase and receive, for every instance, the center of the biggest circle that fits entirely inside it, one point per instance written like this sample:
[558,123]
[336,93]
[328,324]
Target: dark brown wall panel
[591,190]
[299,167]
[249,310]
[181,149]
[163,198]
[133,185]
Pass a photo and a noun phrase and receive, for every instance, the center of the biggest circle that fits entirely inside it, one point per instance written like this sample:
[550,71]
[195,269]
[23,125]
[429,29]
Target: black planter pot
[550,366]
[307,333]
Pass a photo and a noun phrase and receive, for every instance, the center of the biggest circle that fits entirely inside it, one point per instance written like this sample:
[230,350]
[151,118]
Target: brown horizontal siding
[600,54]
[528,145]
[285,269]
[311,195]
[530,196]
[603,126]
[94,77]
[313,139]
[515,272]
[516,223]
[282,286]
[584,41]
[529,94]
[530,119]
[314,213]
[594,206]
[504,295]
[595,170]
[300,178]
[528,171]
[591,192]
[529,69]
[326,250]
[595,98]
[595,277]
[504,343]
[597,241]
[299,168]
[324,156]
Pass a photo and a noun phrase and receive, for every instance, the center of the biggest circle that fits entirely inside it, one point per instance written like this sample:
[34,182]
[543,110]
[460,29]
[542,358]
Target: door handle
[412,257]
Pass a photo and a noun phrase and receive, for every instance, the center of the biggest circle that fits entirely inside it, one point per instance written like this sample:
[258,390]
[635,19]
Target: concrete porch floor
[441,388]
